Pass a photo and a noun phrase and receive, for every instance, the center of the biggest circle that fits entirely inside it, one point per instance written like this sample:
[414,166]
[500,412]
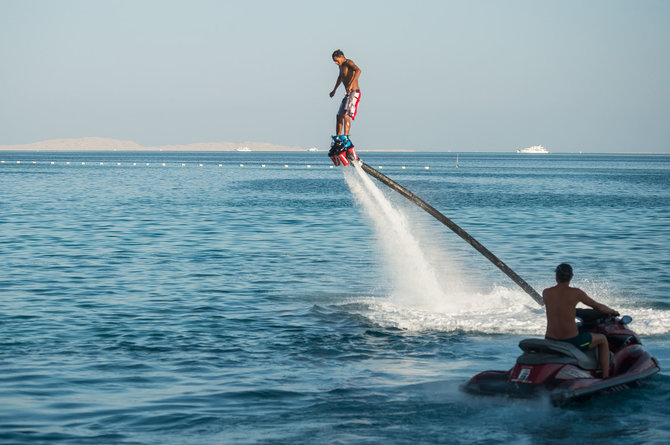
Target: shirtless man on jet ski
[560,302]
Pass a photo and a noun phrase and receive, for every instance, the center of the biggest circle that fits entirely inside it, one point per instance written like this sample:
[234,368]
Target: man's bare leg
[340,123]
[600,341]
[347,124]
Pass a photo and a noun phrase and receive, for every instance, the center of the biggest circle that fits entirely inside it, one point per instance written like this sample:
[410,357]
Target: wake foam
[427,291]
[489,318]
[501,312]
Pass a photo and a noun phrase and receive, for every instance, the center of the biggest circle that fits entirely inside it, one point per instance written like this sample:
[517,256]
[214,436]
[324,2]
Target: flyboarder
[342,148]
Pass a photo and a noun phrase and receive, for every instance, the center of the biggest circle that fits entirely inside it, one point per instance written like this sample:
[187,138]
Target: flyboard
[342,153]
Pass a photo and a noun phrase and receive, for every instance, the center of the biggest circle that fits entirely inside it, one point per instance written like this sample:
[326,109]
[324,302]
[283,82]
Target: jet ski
[342,151]
[565,372]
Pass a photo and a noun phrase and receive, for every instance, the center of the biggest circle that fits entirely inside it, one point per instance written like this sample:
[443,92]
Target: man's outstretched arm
[337,84]
[595,305]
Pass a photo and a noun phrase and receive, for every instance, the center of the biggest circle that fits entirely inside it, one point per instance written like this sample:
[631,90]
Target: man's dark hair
[338,53]
[564,272]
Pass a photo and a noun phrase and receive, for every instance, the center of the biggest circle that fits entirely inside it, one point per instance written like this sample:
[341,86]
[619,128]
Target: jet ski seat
[539,351]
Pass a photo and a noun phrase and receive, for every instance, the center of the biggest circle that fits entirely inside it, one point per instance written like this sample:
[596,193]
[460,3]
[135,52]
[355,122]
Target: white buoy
[118,163]
[262,165]
[200,165]
[134,163]
[331,166]
[380,167]
[220,165]
[18,162]
[427,168]
[309,166]
[34,162]
[83,163]
[403,167]
[241,165]
[52,162]
[68,162]
[102,163]
[163,164]
[2,162]
[148,164]
[183,165]
[285,165]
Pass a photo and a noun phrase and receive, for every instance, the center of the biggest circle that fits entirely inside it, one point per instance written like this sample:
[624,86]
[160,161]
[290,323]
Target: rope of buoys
[165,164]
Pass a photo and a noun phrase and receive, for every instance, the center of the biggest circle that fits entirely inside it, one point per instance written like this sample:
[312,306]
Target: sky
[473,75]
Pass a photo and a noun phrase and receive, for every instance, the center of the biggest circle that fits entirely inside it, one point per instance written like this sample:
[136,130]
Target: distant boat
[535,149]
[456,160]
[313,149]
[243,149]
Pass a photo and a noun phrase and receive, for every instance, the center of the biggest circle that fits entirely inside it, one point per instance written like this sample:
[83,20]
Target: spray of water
[427,295]
[414,280]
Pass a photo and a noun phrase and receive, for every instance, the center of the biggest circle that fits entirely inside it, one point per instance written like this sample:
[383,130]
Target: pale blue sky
[473,75]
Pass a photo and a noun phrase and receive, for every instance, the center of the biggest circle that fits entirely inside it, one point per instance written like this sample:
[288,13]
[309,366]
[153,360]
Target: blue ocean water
[198,298]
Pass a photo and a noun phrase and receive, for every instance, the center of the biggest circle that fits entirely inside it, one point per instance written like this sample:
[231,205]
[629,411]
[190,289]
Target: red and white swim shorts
[349,104]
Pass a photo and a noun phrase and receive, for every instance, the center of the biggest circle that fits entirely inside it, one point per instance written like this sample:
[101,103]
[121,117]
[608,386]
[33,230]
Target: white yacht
[535,149]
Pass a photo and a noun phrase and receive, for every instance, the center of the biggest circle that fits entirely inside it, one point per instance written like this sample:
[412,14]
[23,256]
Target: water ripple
[177,305]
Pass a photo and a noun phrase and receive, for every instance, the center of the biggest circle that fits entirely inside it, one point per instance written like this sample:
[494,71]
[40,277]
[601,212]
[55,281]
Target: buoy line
[183,164]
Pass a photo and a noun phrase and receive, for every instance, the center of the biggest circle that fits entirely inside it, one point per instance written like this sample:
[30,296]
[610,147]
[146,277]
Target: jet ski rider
[560,302]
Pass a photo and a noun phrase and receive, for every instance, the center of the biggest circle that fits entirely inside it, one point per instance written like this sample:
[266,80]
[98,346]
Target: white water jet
[415,282]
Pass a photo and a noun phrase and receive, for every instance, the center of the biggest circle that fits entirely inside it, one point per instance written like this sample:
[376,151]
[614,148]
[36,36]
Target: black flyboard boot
[337,152]
[342,150]
[349,146]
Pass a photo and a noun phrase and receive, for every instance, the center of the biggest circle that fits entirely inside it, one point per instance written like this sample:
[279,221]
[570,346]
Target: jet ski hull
[564,373]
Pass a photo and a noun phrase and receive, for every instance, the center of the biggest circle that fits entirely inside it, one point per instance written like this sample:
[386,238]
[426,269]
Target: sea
[273,298]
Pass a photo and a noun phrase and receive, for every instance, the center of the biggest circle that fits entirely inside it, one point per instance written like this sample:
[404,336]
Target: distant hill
[106,144]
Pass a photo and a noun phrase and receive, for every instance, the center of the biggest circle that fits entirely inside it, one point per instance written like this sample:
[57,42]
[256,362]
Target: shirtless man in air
[560,302]
[348,76]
